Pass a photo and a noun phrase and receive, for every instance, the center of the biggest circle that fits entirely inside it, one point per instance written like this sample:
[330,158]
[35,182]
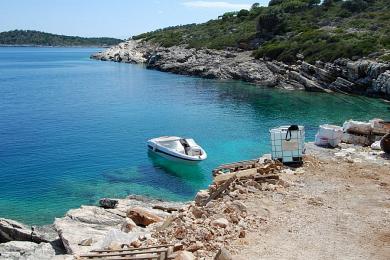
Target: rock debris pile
[218,216]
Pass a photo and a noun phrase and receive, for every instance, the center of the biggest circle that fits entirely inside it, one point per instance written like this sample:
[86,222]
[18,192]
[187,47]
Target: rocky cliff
[364,77]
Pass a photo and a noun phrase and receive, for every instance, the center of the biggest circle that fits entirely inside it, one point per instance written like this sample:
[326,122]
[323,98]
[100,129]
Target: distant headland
[43,39]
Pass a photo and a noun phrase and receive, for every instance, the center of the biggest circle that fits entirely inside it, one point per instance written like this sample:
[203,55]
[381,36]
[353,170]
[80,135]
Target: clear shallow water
[73,130]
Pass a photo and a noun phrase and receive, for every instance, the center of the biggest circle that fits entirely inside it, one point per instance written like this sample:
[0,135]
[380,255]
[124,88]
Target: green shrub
[385,57]
[288,27]
[271,21]
[327,3]
[228,15]
[255,6]
[354,5]
[319,45]
[271,50]
[293,6]
[275,2]
[243,13]
[384,40]
[19,37]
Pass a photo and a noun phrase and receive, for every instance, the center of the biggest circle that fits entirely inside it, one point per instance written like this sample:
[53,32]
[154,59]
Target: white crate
[329,135]
[285,148]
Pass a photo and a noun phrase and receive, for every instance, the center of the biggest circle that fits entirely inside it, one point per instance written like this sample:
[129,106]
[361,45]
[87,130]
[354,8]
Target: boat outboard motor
[186,146]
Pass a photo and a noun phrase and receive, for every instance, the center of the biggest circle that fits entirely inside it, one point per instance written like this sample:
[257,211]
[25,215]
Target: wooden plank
[219,190]
[143,257]
[163,256]
[127,253]
[223,177]
[264,178]
[134,249]
[243,174]
[236,164]
[380,132]
[246,173]
[357,132]
[167,209]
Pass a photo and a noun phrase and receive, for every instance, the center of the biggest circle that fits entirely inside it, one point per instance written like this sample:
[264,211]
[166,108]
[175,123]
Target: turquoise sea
[73,130]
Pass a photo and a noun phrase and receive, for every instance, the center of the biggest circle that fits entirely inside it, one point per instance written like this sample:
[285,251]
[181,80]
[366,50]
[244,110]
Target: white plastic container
[320,140]
[286,148]
[329,135]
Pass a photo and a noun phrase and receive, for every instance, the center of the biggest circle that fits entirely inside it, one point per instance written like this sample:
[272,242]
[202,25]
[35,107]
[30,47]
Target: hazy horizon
[117,18]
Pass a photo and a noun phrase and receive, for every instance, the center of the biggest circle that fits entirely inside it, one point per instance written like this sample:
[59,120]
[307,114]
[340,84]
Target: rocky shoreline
[82,230]
[199,228]
[210,226]
[202,226]
[367,77]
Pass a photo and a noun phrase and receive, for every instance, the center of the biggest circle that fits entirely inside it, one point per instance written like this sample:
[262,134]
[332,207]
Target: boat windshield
[173,145]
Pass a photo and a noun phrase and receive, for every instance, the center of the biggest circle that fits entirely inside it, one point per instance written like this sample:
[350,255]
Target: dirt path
[333,208]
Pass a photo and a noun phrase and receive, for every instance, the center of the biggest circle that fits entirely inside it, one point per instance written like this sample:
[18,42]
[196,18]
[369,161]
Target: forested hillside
[285,28]
[26,37]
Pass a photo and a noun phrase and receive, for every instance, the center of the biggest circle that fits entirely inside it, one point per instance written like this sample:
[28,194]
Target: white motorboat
[177,148]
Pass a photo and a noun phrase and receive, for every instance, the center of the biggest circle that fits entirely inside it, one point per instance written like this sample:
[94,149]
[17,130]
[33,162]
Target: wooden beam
[144,257]
[221,189]
[167,209]
[246,163]
[133,249]
[127,253]
[243,174]
[264,178]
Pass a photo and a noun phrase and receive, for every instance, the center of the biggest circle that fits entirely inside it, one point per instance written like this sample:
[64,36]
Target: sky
[111,18]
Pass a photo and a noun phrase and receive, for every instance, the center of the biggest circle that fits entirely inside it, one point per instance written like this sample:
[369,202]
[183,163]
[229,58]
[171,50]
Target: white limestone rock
[24,250]
[87,222]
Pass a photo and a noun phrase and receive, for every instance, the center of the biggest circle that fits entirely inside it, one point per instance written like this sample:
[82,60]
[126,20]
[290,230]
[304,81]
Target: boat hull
[167,154]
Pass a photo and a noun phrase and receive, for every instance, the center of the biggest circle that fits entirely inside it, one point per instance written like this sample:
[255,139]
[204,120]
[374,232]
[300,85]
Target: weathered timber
[219,190]
[244,174]
[132,249]
[121,253]
[141,257]
[167,209]
[232,167]
[265,178]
